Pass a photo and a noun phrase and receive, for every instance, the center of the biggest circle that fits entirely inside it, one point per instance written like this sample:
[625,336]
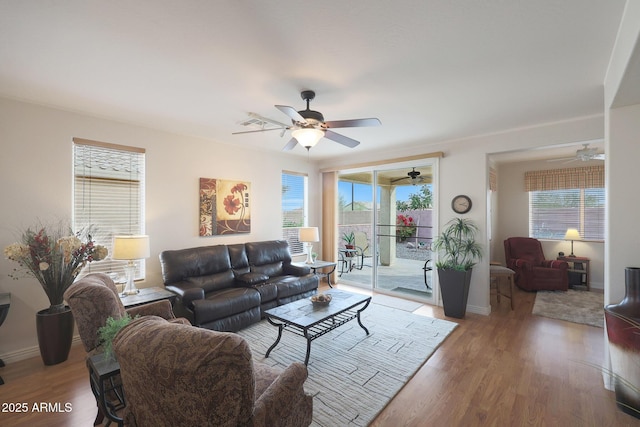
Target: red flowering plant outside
[405,226]
[54,257]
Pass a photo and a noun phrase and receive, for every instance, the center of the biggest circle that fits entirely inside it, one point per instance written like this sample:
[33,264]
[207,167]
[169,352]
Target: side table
[318,265]
[147,295]
[579,265]
[104,376]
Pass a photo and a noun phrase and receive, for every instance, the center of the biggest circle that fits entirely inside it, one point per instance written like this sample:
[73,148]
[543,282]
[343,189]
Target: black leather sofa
[227,287]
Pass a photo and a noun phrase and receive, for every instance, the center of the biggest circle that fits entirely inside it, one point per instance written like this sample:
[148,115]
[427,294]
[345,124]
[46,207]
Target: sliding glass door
[391,223]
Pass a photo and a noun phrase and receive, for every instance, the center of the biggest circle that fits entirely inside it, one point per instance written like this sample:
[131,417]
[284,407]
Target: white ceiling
[430,70]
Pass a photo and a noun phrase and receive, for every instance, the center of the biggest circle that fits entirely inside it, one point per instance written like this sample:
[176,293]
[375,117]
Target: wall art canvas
[224,207]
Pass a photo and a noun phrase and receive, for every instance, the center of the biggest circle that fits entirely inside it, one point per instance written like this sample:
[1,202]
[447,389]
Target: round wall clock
[461,204]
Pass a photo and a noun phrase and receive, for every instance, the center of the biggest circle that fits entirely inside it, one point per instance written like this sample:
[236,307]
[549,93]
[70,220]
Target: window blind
[552,212]
[108,197]
[294,209]
[565,198]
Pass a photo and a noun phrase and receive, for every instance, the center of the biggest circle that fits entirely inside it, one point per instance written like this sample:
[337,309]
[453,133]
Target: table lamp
[130,248]
[309,235]
[572,234]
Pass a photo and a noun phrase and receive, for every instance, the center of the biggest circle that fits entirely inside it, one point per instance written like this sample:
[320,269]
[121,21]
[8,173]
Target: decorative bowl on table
[321,299]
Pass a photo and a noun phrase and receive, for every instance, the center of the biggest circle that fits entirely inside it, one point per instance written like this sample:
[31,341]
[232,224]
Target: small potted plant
[349,242]
[459,252]
[109,331]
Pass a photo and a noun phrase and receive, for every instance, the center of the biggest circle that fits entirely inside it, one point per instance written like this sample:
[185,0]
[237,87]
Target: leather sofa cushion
[225,303]
[268,292]
[270,270]
[179,265]
[271,252]
[213,282]
[292,285]
[251,279]
[239,260]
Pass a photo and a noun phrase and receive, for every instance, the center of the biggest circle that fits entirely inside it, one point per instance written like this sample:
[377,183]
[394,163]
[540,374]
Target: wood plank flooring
[506,369]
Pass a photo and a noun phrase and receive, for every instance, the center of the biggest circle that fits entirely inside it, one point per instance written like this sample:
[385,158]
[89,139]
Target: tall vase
[55,333]
[623,330]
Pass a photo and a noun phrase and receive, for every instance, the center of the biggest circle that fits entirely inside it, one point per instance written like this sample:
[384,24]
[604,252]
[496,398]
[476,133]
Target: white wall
[36,172]
[513,211]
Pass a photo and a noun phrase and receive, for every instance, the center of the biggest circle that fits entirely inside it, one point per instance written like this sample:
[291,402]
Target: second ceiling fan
[309,126]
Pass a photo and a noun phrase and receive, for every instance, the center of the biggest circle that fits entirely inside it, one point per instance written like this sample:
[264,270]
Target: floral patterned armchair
[204,378]
[93,299]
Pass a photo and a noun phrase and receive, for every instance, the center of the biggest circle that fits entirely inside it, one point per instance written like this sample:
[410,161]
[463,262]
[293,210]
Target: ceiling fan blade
[290,145]
[291,112]
[341,139]
[258,130]
[598,157]
[353,123]
[399,179]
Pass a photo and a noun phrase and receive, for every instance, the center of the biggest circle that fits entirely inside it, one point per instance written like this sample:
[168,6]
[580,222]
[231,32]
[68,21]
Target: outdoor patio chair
[364,249]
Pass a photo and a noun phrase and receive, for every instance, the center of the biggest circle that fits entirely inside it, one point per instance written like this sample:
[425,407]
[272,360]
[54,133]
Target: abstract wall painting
[224,207]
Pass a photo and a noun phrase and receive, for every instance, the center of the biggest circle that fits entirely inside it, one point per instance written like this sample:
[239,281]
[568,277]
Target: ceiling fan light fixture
[307,137]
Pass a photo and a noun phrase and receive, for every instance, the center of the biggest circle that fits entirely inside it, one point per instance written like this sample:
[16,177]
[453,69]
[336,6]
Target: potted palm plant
[54,256]
[458,252]
[349,242]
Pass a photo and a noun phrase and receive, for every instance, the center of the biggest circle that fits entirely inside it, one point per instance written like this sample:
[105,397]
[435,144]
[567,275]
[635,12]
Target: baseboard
[29,352]
[485,311]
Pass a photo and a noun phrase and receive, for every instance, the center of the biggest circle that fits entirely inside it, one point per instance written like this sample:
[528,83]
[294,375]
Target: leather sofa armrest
[280,398]
[251,279]
[158,308]
[190,295]
[296,270]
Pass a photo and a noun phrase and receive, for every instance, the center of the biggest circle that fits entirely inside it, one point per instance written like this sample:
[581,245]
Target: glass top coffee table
[312,321]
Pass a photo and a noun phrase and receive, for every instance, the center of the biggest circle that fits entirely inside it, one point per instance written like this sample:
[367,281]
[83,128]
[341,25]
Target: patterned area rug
[353,376]
[573,306]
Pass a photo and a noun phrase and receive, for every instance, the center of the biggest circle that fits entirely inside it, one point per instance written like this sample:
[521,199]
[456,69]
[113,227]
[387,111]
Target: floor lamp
[130,249]
[309,235]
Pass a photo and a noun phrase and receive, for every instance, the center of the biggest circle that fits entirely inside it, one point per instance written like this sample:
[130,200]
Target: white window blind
[108,197]
[552,212]
[294,209]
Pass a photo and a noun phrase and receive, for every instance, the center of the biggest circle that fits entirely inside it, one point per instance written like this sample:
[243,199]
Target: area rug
[353,376]
[573,306]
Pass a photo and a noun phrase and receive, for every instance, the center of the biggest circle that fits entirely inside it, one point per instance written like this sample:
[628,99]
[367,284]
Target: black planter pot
[622,321]
[55,333]
[454,287]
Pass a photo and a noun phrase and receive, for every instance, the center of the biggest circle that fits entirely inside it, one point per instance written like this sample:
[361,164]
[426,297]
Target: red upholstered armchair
[534,273]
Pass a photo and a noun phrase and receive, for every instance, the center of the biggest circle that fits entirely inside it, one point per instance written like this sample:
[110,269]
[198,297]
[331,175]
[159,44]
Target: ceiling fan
[584,154]
[413,176]
[308,126]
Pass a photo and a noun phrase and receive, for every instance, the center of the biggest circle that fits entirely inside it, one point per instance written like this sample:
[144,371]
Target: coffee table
[312,321]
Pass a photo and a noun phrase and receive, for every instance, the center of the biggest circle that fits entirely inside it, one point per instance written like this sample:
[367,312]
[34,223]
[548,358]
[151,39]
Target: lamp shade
[130,247]
[572,234]
[309,234]
[307,137]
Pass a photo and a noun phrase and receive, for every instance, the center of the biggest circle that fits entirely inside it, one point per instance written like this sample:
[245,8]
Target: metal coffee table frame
[324,324]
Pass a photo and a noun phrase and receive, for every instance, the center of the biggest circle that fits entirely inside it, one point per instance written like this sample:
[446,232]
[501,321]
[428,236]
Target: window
[108,196]
[294,209]
[552,212]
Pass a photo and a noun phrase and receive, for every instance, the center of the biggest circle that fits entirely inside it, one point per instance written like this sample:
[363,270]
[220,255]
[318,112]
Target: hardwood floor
[506,369]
